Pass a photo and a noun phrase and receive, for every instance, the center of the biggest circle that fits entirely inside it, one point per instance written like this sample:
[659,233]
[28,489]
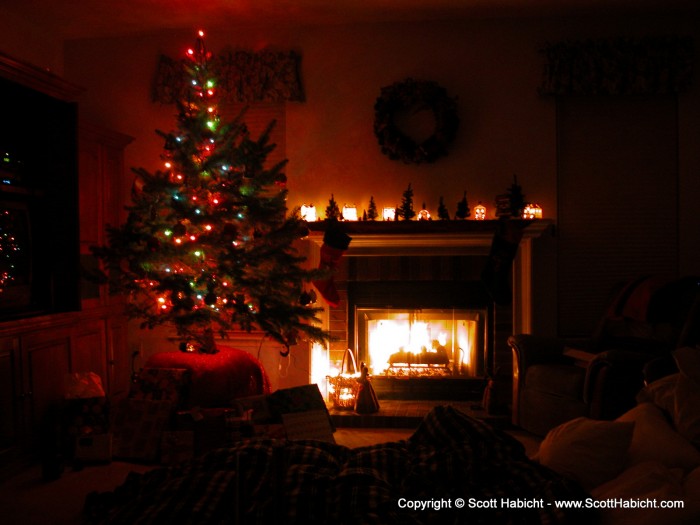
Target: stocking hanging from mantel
[335,243]
[497,271]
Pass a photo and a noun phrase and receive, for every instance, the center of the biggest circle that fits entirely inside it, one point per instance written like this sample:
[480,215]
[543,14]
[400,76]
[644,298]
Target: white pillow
[649,480]
[586,450]
[654,439]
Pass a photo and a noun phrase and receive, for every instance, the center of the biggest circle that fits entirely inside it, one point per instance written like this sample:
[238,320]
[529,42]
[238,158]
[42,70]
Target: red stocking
[335,244]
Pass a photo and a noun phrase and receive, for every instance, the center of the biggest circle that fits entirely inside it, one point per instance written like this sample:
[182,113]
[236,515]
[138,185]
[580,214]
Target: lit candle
[480,212]
[389,214]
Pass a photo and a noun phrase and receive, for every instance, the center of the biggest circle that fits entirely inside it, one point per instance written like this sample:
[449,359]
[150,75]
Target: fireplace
[414,309]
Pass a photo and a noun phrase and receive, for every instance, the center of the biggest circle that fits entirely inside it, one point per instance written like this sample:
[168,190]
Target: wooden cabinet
[37,353]
[86,335]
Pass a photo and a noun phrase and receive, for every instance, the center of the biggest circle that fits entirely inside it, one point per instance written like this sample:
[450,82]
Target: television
[39,224]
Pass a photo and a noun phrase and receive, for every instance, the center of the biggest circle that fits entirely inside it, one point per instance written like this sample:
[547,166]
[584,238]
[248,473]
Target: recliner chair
[555,381]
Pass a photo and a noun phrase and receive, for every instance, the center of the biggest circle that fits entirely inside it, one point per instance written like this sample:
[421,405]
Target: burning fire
[437,346]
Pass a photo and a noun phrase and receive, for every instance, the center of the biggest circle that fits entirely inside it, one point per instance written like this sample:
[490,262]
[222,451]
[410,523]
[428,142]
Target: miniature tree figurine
[463,210]
[517,199]
[405,211]
[442,212]
[332,210]
[372,210]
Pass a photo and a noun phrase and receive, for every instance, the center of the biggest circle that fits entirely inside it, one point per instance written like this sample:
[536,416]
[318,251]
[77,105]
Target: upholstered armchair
[556,380]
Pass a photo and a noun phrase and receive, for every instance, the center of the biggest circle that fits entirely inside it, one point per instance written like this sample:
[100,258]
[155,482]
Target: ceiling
[74,19]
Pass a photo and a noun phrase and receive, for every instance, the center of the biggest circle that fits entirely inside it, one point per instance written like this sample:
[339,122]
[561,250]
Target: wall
[26,41]
[491,66]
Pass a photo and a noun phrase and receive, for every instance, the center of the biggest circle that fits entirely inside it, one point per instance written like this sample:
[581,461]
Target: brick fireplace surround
[427,251]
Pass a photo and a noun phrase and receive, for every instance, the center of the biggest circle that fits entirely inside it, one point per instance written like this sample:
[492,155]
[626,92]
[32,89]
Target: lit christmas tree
[208,245]
[9,249]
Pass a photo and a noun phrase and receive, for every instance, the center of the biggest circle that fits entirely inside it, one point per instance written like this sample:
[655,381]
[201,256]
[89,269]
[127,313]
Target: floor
[408,414]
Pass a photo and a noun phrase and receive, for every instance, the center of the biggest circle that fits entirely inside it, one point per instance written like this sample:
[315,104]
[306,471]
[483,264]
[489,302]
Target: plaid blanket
[451,458]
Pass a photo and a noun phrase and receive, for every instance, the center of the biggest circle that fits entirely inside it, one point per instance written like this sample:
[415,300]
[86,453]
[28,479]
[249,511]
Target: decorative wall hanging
[414,95]
[623,66]
[244,76]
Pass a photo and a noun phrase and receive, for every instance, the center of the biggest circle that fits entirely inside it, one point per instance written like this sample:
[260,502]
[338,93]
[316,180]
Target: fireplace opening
[421,343]
[423,339]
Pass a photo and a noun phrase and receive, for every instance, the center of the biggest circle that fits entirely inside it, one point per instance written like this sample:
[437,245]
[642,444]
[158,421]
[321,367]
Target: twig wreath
[413,95]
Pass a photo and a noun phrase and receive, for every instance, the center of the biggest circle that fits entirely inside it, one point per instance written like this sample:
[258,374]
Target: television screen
[39,229]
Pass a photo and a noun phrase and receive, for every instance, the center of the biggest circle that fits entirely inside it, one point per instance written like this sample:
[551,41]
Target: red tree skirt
[217,379]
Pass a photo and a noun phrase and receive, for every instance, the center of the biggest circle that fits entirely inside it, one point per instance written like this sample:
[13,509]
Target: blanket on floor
[453,469]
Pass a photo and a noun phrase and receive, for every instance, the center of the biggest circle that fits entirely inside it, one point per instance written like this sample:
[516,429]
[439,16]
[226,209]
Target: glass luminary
[349,212]
[308,212]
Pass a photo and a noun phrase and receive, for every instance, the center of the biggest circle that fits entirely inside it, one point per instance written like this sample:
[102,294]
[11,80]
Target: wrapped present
[83,385]
[94,448]
[138,428]
[162,384]
[86,416]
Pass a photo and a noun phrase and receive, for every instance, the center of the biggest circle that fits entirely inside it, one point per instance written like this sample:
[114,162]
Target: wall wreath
[415,95]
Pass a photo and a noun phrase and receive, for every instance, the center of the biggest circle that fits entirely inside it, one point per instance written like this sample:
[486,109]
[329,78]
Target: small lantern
[389,214]
[350,212]
[424,215]
[480,212]
[308,212]
[532,211]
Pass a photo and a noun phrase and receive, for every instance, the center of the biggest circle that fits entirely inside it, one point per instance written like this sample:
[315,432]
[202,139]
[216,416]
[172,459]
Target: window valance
[244,76]
[623,66]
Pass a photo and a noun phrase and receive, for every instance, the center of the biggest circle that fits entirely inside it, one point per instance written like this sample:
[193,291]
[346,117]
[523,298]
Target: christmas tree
[208,244]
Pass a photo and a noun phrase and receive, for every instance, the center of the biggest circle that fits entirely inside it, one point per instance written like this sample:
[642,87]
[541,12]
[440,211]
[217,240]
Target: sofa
[645,458]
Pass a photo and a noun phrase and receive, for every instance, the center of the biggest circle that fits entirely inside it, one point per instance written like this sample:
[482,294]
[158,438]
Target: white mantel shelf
[375,238]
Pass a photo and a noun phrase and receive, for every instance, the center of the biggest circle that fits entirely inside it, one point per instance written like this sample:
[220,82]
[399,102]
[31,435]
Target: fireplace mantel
[405,238]
[419,238]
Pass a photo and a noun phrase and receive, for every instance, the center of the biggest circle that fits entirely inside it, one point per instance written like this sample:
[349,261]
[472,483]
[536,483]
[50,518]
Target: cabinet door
[119,378]
[46,360]
[9,394]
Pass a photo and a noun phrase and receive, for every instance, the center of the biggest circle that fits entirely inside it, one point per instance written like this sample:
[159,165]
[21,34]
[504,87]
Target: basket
[344,386]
